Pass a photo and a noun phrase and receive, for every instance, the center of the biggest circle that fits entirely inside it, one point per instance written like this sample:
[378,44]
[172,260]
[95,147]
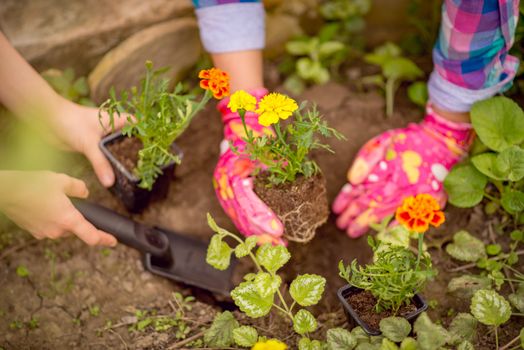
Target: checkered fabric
[207,3]
[473,44]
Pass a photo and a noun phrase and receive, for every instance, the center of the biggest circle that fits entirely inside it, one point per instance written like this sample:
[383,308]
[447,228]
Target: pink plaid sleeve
[475,37]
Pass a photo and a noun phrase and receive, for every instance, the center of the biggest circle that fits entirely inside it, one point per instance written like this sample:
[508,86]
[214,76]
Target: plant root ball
[302,206]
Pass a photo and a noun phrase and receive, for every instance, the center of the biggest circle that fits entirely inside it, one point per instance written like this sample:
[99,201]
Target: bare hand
[77,128]
[38,202]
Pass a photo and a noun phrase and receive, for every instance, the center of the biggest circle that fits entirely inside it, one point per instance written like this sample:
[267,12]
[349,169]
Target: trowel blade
[190,267]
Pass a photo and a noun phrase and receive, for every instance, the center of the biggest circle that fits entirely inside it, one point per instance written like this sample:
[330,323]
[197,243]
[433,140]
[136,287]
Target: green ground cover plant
[495,170]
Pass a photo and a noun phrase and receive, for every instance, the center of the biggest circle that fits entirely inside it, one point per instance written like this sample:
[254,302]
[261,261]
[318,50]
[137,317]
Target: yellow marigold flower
[417,213]
[273,107]
[216,81]
[242,100]
[271,344]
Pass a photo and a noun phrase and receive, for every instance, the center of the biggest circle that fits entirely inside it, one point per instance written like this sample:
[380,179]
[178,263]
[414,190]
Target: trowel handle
[141,237]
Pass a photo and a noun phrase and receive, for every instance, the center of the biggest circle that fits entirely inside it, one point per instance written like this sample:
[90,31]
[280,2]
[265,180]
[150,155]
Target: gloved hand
[233,182]
[397,164]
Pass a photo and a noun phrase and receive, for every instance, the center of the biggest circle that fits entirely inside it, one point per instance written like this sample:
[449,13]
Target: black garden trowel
[165,253]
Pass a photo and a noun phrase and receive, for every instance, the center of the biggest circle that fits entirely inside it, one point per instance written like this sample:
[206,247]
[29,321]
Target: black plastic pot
[355,320]
[135,198]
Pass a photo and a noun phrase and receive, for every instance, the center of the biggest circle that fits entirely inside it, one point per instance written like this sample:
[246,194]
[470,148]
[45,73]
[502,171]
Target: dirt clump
[302,205]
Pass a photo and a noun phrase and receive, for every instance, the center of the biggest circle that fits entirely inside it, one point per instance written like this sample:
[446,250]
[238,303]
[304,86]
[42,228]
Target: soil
[301,206]
[125,150]
[364,305]
[66,277]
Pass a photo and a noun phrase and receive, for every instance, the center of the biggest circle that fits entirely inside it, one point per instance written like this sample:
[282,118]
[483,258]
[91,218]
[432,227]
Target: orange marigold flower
[216,81]
[417,213]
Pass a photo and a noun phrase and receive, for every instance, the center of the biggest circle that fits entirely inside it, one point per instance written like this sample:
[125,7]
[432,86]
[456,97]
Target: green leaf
[388,345]
[298,47]
[485,163]
[463,328]
[522,338]
[218,253]
[490,308]
[307,289]
[429,335]
[305,68]
[510,163]
[401,68]
[498,122]
[493,249]
[243,249]
[360,335]
[418,93]
[383,53]
[368,346]
[465,345]
[304,322]
[220,334]
[330,48]
[267,285]
[249,301]
[213,225]
[517,299]
[307,344]
[272,257]
[408,344]
[465,186]
[22,271]
[340,339]
[465,247]
[512,201]
[467,285]
[395,328]
[397,235]
[245,336]
[517,235]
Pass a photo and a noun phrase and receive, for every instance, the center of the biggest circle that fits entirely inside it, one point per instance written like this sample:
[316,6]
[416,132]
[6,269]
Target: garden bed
[88,298]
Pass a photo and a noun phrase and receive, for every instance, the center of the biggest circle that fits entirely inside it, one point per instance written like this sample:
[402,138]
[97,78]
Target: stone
[328,96]
[77,33]
[280,28]
[173,43]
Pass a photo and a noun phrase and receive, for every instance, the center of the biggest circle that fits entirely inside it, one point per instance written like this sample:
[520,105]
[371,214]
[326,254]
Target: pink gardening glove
[233,182]
[397,164]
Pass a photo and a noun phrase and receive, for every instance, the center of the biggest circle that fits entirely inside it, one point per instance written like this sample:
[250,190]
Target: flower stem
[279,134]
[420,248]
[242,114]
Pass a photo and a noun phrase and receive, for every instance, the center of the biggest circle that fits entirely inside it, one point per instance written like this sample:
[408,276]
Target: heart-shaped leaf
[307,289]
[513,201]
[498,122]
[220,334]
[218,253]
[429,335]
[485,163]
[245,336]
[466,285]
[517,299]
[510,163]
[340,339]
[465,247]
[250,302]
[490,308]
[463,328]
[304,322]
[272,257]
[243,249]
[395,328]
[266,284]
[465,186]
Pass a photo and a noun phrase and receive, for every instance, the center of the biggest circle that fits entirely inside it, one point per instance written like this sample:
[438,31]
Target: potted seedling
[143,155]
[288,180]
[391,284]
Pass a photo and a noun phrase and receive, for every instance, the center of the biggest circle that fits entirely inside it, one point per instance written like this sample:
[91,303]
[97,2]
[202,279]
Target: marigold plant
[160,115]
[284,154]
